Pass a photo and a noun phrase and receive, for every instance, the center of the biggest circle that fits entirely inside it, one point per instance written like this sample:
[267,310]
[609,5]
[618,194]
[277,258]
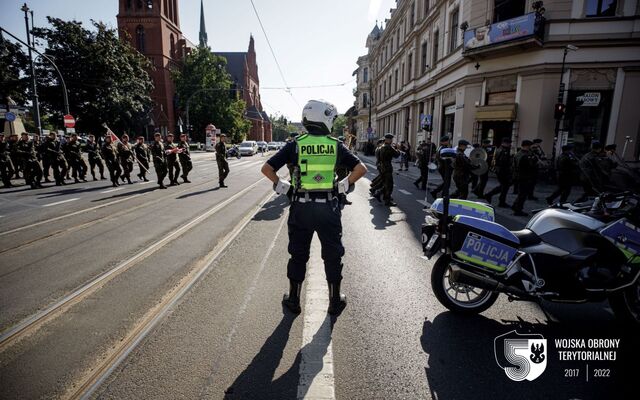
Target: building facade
[478,70]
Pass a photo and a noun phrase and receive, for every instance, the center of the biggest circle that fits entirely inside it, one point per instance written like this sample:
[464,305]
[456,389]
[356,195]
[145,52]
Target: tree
[205,85]
[338,125]
[13,64]
[281,128]
[106,78]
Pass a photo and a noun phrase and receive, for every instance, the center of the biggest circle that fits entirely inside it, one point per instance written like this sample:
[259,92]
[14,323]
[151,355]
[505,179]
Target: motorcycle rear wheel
[626,305]
[457,297]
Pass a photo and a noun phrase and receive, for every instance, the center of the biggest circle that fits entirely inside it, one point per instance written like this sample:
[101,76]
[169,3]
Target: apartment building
[490,69]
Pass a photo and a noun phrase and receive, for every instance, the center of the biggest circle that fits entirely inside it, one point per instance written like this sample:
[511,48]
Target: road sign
[69,121]
[10,116]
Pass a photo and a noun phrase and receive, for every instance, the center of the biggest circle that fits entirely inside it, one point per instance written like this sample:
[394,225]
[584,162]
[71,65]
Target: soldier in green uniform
[55,158]
[568,173]
[314,201]
[73,154]
[159,159]
[388,152]
[444,143]
[6,169]
[30,166]
[110,156]
[171,150]
[143,157]
[185,157]
[125,153]
[221,160]
[526,164]
[462,171]
[503,165]
[376,183]
[95,160]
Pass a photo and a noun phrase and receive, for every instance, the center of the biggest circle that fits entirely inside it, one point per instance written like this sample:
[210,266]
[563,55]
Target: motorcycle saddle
[527,237]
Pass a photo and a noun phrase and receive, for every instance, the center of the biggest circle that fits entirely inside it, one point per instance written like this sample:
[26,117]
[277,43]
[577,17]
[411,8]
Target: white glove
[343,186]
[282,187]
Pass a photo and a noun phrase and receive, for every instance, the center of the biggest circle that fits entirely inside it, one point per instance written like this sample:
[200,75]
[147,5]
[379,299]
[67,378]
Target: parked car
[248,148]
[263,146]
[273,146]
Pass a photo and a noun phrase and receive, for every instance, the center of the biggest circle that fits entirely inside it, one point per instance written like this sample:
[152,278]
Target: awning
[502,112]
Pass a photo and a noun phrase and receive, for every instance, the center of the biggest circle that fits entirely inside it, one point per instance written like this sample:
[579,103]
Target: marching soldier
[536,149]
[13,154]
[444,143]
[594,176]
[110,156]
[141,152]
[125,153]
[526,164]
[171,149]
[73,154]
[95,160]
[503,165]
[185,157]
[30,166]
[481,185]
[462,171]
[221,160]
[54,157]
[46,160]
[315,206]
[376,183]
[568,173]
[387,154]
[159,159]
[423,165]
[6,169]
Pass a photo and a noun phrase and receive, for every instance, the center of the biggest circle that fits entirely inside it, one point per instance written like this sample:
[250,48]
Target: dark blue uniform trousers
[304,220]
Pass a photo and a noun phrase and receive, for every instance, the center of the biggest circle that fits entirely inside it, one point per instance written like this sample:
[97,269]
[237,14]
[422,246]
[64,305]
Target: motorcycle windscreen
[465,207]
[485,252]
[626,237]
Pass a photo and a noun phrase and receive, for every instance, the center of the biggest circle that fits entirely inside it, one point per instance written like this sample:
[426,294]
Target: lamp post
[560,106]
[36,105]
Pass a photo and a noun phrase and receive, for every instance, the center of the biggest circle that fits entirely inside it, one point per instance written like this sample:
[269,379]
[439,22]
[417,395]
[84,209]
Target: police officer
[55,158]
[315,206]
[6,169]
[388,152]
[125,153]
[526,163]
[141,152]
[221,160]
[95,160]
[462,171]
[503,165]
[478,189]
[30,166]
[110,156]
[73,154]
[568,173]
[171,150]
[185,157]
[444,143]
[159,159]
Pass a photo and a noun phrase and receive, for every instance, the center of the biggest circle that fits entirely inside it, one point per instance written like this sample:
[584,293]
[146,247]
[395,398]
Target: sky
[316,42]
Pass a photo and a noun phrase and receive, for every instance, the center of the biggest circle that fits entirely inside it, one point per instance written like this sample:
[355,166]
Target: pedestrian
[483,179]
[55,158]
[526,164]
[185,157]
[95,160]
[110,155]
[444,143]
[73,154]
[503,165]
[422,154]
[125,153]
[462,171]
[314,201]
[6,168]
[171,150]
[568,173]
[159,159]
[221,160]
[143,157]
[31,169]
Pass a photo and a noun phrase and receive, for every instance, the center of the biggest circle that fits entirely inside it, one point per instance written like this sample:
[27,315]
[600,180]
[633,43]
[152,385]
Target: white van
[248,148]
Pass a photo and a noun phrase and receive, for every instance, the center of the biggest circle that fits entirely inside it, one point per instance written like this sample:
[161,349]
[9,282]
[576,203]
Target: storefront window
[587,117]
[448,121]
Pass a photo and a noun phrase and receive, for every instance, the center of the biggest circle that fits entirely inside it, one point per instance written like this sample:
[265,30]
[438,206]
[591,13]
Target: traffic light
[559,111]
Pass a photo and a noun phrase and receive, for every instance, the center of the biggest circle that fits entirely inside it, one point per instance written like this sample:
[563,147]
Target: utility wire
[311,86]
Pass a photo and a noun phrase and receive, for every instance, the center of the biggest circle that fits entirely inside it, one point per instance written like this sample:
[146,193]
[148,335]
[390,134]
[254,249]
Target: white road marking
[61,202]
[145,183]
[371,165]
[112,190]
[408,193]
[316,364]
[424,203]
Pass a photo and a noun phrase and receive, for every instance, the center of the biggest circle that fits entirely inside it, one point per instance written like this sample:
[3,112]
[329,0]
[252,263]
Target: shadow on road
[72,191]
[380,215]
[187,195]
[125,194]
[462,361]
[273,209]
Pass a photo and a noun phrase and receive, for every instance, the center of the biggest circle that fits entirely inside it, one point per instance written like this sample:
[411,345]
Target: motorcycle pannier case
[482,243]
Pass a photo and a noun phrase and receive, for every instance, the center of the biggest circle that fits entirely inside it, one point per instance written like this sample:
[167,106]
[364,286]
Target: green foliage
[338,125]
[106,78]
[281,128]
[14,63]
[205,84]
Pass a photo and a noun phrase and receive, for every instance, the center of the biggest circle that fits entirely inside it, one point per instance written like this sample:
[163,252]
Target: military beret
[463,142]
[537,141]
[611,147]
[526,142]
[444,138]
[389,136]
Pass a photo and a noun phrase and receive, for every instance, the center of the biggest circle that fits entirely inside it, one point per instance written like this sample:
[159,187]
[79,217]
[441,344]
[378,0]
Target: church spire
[203,29]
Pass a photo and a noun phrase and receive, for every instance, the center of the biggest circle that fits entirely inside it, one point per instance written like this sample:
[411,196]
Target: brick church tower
[153,28]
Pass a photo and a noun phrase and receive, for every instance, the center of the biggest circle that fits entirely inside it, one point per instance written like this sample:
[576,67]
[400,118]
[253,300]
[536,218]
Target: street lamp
[560,107]
[36,106]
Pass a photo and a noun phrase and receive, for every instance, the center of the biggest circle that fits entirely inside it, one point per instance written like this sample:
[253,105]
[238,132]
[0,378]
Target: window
[398,40]
[127,5]
[426,8]
[392,45]
[140,38]
[410,64]
[424,63]
[601,8]
[453,32]
[166,8]
[365,100]
[413,14]
[402,77]
[436,40]
[365,75]
[396,82]
[507,9]
[172,49]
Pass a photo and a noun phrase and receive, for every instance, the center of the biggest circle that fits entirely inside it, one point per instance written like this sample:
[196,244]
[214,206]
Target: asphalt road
[141,293]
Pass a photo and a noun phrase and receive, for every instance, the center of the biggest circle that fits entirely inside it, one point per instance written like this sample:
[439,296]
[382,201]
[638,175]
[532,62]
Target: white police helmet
[319,114]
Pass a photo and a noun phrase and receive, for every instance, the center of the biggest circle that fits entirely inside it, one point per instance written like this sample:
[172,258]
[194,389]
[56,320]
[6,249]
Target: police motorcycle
[234,151]
[584,254]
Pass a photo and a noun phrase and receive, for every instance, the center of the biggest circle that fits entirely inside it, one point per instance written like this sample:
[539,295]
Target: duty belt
[305,198]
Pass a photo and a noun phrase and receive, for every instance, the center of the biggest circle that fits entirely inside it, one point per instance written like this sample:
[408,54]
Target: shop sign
[450,109]
[589,99]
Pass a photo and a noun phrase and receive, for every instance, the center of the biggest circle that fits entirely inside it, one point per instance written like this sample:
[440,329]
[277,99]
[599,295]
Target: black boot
[292,300]
[337,301]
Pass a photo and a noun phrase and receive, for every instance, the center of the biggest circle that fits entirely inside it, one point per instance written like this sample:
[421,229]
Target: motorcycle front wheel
[626,304]
[458,297]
